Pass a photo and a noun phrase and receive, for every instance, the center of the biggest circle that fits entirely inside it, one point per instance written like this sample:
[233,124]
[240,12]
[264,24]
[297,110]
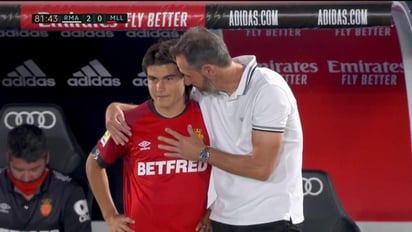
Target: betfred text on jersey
[168,167]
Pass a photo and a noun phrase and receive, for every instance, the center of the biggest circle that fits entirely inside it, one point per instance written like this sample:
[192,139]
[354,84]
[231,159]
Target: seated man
[33,196]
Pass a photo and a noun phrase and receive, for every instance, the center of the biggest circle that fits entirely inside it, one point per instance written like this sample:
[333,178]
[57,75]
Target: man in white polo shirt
[255,131]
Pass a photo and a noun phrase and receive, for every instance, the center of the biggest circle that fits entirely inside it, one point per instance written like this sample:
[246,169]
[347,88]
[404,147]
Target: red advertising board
[350,87]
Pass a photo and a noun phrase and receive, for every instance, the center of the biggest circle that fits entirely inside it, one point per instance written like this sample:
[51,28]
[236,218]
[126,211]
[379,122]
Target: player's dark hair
[158,54]
[27,142]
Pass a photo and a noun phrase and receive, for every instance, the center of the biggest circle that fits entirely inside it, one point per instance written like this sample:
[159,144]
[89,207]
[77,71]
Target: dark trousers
[278,226]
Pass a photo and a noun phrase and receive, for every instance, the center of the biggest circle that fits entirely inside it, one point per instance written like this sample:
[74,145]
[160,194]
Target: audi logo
[43,119]
[312,186]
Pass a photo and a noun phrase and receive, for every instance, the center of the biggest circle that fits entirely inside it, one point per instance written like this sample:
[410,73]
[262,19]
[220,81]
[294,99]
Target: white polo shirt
[262,101]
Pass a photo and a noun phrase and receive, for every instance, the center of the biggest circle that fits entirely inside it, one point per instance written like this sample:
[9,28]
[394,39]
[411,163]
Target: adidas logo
[141,80]
[87,34]
[28,74]
[23,34]
[152,34]
[94,74]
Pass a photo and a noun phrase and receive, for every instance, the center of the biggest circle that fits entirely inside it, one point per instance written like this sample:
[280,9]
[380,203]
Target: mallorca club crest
[46,207]
[199,133]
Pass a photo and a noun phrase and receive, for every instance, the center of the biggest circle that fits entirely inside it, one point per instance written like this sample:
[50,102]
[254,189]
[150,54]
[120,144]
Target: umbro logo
[28,74]
[94,74]
[144,145]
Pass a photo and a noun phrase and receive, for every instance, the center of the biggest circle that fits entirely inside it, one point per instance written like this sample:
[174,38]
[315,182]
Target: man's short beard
[208,87]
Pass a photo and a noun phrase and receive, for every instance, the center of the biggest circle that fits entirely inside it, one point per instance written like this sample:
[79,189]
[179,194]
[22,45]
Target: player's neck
[170,111]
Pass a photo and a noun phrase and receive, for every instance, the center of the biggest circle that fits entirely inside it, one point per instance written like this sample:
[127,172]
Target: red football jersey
[160,193]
